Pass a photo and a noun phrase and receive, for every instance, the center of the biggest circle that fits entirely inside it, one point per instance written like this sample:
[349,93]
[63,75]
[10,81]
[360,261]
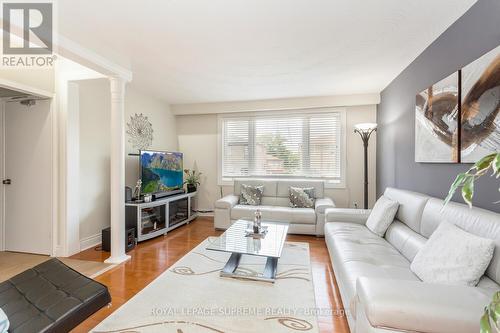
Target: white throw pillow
[453,256]
[382,215]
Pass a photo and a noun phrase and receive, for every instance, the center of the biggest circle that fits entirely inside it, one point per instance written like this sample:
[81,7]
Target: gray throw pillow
[251,195]
[302,197]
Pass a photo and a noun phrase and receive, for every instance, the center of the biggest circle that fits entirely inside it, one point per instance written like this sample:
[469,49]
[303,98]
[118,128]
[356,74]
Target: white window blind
[285,145]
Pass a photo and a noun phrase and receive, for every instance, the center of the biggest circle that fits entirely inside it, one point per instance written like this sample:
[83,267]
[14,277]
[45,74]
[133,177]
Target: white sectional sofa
[374,276]
[275,206]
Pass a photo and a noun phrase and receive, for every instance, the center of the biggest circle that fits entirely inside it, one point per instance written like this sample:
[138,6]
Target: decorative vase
[257,222]
[191,188]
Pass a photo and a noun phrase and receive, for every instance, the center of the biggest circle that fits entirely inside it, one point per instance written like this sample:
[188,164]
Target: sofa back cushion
[407,241]
[411,206]
[276,192]
[284,188]
[477,221]
[270,186]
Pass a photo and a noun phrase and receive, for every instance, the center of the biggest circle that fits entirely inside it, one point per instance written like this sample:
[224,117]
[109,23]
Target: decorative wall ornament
[140,132]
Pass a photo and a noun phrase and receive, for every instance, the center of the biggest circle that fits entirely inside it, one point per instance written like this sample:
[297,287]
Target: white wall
[94,145]
[94,96]
[164,129]
[197,136]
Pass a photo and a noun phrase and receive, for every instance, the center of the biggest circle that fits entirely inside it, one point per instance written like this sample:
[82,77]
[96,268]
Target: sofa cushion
[382,215]
[357,252]
[301,197]
[404,239]
[453,256]
[411,206]
[284,187]
[275,213]
[269,186]
[251,194]
[477,221]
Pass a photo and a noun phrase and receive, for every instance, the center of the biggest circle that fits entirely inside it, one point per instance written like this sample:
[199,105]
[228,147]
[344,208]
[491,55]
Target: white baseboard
[58,251]
[91,241]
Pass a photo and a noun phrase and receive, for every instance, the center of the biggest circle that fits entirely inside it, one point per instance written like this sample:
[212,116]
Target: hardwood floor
[153,257]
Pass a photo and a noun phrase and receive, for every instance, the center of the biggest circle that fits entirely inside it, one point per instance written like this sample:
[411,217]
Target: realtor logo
[27,28]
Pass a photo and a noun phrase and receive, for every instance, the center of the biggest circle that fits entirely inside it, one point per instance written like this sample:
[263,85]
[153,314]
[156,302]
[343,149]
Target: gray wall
[471,36]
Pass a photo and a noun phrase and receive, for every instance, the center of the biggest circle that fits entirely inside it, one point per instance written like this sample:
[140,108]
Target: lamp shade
[365,127]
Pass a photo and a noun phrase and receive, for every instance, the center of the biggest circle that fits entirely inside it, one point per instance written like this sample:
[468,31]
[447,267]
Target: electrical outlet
[355,203]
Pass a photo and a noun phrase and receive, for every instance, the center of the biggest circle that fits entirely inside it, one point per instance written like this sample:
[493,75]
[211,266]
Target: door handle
[7,182]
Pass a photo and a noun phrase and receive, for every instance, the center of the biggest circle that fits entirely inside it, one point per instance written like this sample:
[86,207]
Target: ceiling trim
[275,104]
[73,51]
[23,88]
[83,56]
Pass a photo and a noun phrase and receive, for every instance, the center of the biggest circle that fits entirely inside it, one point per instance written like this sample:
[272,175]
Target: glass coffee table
[235,241]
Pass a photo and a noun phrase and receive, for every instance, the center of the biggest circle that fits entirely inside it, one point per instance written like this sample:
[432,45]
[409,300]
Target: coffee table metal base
[269,274]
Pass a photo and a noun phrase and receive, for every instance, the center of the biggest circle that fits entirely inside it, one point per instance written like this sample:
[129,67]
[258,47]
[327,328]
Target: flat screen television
[161,171]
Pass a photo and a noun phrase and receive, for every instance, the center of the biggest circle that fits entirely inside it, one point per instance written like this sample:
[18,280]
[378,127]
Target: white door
[28,197]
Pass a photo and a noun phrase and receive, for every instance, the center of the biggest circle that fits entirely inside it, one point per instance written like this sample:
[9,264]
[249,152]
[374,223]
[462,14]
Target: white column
[117,171]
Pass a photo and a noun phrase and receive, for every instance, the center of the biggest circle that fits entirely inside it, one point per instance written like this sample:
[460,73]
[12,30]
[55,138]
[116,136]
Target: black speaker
[106,239]
[128,194]
[129,239]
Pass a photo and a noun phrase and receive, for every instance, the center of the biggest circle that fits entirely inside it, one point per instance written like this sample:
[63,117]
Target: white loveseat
[275,206]
[374,276]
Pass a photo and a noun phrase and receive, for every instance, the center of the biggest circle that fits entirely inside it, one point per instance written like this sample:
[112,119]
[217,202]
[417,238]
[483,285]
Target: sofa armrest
[322,204]
[227,202]
[347,215]
[416,306]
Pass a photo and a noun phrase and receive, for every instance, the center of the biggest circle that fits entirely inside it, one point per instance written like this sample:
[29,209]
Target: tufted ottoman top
[50,297]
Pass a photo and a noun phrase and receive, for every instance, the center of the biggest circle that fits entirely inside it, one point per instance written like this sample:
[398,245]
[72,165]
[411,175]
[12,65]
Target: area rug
[191,297]
[13,263]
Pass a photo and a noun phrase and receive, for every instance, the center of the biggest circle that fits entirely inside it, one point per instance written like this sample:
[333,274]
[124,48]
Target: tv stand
[156,218]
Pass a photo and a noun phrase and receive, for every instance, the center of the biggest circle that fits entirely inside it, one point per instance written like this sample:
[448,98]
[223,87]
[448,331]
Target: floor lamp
[365,130]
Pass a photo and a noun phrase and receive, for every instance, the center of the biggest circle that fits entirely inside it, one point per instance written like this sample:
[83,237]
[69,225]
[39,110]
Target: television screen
[161,171]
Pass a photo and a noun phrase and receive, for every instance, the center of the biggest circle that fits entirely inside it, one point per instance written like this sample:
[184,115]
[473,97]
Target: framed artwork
[436,122]
[480,107]
[457,120]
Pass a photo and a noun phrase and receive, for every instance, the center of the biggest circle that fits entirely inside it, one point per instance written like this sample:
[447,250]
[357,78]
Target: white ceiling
[189,51]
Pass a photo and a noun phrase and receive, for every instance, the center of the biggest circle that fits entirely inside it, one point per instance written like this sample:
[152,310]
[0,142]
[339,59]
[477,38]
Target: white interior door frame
[54,158]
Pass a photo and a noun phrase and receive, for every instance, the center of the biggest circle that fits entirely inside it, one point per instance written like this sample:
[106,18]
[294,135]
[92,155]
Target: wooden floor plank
[153,257]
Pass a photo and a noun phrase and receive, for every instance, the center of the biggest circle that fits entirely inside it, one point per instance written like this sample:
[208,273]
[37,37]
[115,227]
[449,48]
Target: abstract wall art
[457,120]
[436,122]
[480,108]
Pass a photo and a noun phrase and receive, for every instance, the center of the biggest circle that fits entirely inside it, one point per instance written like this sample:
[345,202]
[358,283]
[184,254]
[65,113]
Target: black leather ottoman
[50,297]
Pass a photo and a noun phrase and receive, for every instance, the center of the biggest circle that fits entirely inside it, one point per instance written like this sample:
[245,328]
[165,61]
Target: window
[283,145]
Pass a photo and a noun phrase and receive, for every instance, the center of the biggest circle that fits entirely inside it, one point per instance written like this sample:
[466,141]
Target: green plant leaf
[484,163]
[496,165]
[468,190]
[485,323]
[494,309]
[459,180]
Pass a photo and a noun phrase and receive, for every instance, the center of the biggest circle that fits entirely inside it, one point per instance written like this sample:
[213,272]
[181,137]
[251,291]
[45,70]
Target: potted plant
[490,321]
[192,180]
